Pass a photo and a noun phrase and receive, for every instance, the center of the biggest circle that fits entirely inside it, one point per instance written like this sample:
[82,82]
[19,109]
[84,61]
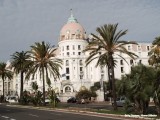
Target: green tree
[104,46]
[154,60]
[138,87]
[154,54]
[85,94]
[4,74]
[20,63]
[44,61]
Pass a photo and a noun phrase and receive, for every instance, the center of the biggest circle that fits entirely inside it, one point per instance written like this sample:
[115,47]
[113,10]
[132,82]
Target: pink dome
[72,30]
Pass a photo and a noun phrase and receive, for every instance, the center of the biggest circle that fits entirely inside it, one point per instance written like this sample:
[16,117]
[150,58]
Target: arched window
[67,89]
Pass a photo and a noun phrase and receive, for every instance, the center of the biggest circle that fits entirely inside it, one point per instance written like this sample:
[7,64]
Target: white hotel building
[75,73]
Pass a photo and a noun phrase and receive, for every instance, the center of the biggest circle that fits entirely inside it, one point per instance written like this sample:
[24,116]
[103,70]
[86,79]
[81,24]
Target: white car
[120,102]
[12,100]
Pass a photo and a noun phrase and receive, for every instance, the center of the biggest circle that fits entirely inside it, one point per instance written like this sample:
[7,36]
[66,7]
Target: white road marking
[5,117]
[33,115]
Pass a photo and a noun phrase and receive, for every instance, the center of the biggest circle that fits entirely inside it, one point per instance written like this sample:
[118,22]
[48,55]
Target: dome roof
[72,30]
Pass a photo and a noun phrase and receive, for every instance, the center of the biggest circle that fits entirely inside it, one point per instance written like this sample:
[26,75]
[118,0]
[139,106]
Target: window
[73,36]
[139,47]
[121,62]
[79,53]
[67,63]
[67,70]
[79,47]
[80,62]
[67,47]
[67,89]
[73,53]
[102,76]
[129,47]
[68,53]
[78,36]
[81,69]
[73,47]
[131,62]
[148,48]
[62,48]
[81,73]
[67,77]
[140,61]
[102,70]
[122,70]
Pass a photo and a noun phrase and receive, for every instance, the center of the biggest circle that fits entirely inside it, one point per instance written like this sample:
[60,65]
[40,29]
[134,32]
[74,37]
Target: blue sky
[24,22]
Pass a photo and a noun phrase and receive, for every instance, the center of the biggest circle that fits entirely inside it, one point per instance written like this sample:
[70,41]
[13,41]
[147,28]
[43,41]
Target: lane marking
[5,117]
[33,115]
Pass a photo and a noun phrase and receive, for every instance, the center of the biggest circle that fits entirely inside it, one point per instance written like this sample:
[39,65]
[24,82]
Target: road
[14,113]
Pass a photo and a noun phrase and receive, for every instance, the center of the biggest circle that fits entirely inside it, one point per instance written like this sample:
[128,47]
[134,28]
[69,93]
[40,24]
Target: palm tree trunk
[43,87]
[109,78]
[113,81]
[21,90]
[3,91]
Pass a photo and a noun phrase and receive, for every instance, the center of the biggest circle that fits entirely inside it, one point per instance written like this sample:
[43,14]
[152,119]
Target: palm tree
[154,60]
[44,61]
[104,46]
[4,74]
[138,86]
[154,54]
[20,63]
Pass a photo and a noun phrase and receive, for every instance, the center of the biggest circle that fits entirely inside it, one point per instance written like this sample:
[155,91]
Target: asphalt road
[14,113]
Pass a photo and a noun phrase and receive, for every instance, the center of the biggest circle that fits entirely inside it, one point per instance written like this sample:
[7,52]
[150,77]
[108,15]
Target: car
[12,100]
[47,100]
[121,101]
[72,100]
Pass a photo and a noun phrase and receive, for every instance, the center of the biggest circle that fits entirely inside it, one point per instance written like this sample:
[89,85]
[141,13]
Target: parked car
[72,100]
[47,100]
[121,102]
[12,100]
